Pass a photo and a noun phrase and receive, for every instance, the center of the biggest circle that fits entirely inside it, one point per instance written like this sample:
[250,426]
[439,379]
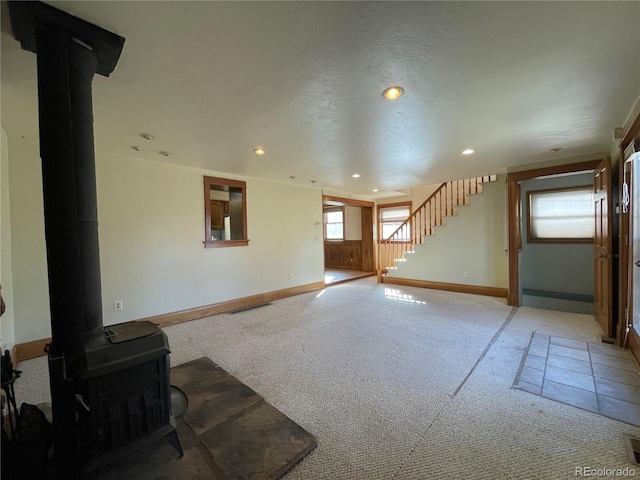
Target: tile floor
[598,377]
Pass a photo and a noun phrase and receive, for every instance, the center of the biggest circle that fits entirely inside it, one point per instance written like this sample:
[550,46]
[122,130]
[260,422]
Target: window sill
[226,243]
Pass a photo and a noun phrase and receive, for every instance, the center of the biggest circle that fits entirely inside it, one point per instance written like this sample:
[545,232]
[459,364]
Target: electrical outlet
[291,276]
[118,306]
[465,274]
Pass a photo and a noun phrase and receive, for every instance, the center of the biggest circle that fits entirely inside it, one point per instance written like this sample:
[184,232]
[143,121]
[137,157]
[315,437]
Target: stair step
[432,213]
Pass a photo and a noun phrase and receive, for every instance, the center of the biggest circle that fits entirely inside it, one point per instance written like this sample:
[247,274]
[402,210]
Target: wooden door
[603,255]
[217,215]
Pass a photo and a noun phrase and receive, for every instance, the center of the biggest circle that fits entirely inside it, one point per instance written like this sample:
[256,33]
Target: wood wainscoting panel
[347,254]
[450,287]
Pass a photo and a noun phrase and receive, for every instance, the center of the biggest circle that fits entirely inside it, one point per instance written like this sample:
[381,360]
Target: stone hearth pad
[245,436]
[228,432]
[214,395]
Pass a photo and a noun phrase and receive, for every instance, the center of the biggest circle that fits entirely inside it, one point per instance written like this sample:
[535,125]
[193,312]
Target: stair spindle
[443,202]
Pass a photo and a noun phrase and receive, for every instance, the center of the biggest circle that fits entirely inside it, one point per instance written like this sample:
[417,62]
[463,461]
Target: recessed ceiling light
[258,151]
[165,154]
[468,151]
[557,149]
[393,92]
[136,148]
[146,136]
[356,175]
[375,189]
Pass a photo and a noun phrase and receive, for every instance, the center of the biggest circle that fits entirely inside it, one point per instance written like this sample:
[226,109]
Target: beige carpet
[401,382]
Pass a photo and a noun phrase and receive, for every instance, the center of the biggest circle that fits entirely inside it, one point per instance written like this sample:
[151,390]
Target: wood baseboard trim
[450,287]
[174,318]
[29,350]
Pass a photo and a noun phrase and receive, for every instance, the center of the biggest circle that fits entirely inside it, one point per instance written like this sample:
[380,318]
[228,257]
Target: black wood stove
[123,392]
[110,390]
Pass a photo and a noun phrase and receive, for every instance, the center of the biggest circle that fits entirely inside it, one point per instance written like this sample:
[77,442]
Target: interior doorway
[348,240]
[556,260]
[629,324]
[516,214]
[634,322]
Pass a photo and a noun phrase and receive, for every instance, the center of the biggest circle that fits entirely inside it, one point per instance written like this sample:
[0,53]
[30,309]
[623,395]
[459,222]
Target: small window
[563,215]
[391,217]
[334,223]
[225,213]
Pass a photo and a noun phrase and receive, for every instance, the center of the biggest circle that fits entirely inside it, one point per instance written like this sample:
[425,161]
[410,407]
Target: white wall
[417,196]
[28,255]
[352,223]
[151,218]
[474,241]
[6,276]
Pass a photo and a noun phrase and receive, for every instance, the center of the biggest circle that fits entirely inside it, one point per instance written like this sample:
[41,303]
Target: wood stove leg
[174,441]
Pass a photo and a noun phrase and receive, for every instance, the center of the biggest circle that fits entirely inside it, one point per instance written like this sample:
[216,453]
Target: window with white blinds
[391,218]
[561,215]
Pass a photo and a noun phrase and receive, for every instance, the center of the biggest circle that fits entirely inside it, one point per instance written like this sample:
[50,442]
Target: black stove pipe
[69,52]
[65,71]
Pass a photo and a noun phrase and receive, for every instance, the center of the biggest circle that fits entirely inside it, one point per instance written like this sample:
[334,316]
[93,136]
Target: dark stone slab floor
[227,432]
[598,377]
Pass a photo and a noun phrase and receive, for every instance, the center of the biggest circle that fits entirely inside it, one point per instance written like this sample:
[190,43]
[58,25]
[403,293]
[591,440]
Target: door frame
[626,287]
[342,201]
[514,215]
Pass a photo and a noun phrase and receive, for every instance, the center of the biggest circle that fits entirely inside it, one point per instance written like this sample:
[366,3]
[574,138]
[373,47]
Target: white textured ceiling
[213,80]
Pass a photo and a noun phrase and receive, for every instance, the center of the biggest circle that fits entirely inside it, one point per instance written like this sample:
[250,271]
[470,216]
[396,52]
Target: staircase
[422,222]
